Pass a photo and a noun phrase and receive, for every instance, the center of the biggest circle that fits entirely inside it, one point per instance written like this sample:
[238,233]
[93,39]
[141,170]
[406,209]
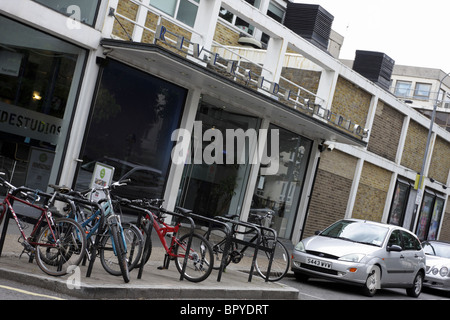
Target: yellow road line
[30,293]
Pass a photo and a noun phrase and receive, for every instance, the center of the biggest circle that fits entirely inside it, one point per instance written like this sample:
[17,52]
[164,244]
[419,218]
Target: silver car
[438,265]
[370,254]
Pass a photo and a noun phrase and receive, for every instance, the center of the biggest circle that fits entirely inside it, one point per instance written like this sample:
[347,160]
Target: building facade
[215,106]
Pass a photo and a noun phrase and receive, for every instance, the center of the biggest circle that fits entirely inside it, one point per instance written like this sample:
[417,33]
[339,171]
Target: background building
[110,81]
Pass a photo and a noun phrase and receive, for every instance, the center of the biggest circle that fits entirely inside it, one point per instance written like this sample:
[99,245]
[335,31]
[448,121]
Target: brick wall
[440,161]
[414,149]
[385,131]
[351,102]
[372,193]
[445,230]
[331,191]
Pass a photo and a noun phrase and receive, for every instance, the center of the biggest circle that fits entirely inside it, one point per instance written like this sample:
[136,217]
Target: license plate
[319,263]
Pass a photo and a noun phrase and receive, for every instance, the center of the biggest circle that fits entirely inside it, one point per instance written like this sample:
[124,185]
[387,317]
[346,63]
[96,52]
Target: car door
[412,255]
[395,261]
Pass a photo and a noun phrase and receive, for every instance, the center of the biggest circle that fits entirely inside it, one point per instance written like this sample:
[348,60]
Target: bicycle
[111,237]
[92,223]
[271,251]
[58,244]
[199,265]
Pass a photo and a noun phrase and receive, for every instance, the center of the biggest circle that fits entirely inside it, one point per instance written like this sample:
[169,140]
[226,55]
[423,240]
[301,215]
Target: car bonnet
[337,247]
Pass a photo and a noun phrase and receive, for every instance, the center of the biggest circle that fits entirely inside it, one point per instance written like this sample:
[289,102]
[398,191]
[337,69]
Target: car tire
[373,282]
[416,289]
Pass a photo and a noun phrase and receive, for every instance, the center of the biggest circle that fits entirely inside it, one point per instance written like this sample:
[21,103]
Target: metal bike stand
[212,222]
[148,231]
[244,242]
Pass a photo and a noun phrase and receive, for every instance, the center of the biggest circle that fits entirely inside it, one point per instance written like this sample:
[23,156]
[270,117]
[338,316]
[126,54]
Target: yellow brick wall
[372,193]
[440,161]
[331,191]
[351,102]
[414,149]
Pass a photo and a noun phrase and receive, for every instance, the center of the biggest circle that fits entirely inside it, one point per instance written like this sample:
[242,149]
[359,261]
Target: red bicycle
[199,263]
[58,244]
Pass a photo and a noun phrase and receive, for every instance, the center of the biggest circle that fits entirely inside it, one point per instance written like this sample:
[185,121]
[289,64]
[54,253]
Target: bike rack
[212,222]
[256,228]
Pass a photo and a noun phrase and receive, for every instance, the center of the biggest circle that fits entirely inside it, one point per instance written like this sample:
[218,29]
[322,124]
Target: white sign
[39,168]
[10,63]
[101,177]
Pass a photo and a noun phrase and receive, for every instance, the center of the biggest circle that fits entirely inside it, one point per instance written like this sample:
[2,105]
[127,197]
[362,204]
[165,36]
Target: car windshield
[355,231]
[437,249]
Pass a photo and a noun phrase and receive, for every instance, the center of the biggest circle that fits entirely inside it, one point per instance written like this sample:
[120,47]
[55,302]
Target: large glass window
[84,10]
[281,193]
[133,119]
[215,187]
[39,80]
[183,10]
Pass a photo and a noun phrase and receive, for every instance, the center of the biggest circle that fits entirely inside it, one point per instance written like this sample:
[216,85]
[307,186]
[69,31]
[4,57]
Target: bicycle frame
[44,216]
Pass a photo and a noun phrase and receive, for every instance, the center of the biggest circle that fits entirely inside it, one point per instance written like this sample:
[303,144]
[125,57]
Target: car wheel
[416,289]
[372,282]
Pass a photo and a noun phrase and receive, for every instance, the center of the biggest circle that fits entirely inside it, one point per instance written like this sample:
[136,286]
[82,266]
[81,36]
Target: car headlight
[443,272]
[354,257]
[300,247]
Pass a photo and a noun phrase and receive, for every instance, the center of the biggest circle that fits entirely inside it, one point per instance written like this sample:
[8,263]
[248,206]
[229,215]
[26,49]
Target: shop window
[183,10]
[216,187]
[281,193]
[430,217]
[133,118]
[84,10]
[399,203]
[39,80]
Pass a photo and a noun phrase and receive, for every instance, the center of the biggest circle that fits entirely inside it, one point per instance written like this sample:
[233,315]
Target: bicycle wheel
[217,239]
[69,250]
[200,261]
[134,245]
[280,263]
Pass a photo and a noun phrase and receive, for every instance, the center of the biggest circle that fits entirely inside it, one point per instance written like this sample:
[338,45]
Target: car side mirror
[317,232]
[394,248]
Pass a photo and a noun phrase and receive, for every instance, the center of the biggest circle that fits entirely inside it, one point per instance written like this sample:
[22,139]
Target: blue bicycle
[118,245]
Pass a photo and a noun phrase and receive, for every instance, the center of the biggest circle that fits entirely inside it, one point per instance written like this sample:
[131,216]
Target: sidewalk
[154,284]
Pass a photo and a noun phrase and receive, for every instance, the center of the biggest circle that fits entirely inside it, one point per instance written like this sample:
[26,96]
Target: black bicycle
[271,252]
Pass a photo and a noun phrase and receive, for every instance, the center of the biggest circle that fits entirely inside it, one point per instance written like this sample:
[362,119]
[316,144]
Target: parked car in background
[369,254]
[438,265]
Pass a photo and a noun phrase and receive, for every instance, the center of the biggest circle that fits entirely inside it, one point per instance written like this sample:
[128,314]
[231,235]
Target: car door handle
[402,257]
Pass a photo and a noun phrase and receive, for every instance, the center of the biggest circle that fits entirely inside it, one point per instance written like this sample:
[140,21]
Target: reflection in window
[403,89]
[422,91]
[430,217]
[87,9]
[281,193]
[134,116]
[39,77]
[217,188]
[184,10]
[399,203]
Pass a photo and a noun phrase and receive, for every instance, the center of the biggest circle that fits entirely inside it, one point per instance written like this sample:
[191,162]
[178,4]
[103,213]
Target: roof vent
[375,66]
[309,21]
